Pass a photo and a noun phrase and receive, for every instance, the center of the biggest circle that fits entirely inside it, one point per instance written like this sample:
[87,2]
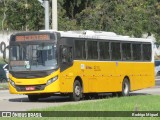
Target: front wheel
[77,91]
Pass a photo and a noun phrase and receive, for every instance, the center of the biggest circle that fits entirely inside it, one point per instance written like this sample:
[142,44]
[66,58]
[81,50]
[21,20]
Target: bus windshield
[33,57]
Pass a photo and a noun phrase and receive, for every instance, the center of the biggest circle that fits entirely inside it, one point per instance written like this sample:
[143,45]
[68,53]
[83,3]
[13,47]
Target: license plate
[30,88]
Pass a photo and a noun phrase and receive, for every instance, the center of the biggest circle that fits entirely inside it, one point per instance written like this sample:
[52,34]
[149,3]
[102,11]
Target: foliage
[127,17]
[24,15]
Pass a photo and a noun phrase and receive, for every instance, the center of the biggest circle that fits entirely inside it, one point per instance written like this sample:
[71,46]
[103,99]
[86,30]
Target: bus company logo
[88,67]
[6,114]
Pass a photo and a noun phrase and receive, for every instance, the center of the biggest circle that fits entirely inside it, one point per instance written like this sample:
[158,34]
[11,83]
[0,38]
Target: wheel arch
[80,80]
[127,77]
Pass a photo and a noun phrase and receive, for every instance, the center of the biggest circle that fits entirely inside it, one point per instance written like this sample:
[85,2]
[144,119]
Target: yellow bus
[78,63]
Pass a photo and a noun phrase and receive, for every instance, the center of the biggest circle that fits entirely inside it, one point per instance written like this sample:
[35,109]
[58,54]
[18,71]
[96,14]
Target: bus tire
[77,91]
[125,87]
[33,98]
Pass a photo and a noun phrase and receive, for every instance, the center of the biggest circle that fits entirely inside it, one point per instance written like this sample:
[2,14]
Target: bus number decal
[97,68]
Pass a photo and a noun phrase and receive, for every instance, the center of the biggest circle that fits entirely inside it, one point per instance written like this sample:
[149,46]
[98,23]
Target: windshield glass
[33,57]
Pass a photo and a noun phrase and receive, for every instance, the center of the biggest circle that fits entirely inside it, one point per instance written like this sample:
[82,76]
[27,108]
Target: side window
[136,48]
[104,50]
[66,54]
[115,49]
[92,50]
[126,51]
[80,52]
[147,50]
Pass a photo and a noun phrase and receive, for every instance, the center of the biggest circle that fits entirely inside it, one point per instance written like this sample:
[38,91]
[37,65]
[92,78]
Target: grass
[1,61]
[132,103]
[3,86]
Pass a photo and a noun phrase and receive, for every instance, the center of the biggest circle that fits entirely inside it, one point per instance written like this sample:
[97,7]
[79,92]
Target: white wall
[4,37]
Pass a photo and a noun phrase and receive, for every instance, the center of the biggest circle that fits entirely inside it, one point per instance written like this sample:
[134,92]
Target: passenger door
[66,61]
[66,57]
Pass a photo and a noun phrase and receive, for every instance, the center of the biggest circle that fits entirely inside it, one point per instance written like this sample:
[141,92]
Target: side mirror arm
[4,54]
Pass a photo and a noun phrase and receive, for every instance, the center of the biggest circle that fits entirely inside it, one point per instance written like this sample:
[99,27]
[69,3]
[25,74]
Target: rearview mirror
[6,54]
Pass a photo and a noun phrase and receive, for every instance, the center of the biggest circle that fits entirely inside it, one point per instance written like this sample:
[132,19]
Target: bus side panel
[141,75]
[103,76]
[107,76]
[96,77]
[68,76]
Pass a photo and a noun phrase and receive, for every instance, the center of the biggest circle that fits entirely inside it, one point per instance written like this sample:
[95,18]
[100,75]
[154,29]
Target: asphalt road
[10,102]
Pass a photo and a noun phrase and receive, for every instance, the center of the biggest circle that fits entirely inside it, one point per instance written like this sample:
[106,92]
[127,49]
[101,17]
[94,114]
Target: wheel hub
[126,88]
[77,90]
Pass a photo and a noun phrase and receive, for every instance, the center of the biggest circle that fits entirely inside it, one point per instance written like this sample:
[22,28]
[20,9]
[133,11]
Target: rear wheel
[33,98]
[77,91]
[125,89]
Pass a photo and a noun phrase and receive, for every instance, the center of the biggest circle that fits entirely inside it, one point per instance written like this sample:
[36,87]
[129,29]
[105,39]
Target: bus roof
[98,35]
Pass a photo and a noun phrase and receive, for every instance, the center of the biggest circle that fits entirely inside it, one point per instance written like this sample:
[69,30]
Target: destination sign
[32,37]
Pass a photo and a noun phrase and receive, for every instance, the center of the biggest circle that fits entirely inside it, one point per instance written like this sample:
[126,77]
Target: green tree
[154,19]
[68,10]
[24,15]
[2,14]
[131,17]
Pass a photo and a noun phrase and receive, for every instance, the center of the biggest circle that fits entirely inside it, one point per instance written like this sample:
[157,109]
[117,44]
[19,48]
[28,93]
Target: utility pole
[26,7]
[54,15]
[46,6]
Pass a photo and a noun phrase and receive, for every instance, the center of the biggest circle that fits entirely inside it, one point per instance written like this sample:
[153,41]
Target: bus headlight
[12,82]
[52,80]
